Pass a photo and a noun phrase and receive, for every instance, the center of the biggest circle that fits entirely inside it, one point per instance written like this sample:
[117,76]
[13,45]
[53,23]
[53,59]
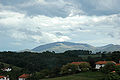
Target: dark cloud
[63,8]
[59,34]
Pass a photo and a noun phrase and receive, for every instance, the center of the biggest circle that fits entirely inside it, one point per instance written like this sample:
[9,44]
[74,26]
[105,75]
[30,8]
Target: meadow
[81,76]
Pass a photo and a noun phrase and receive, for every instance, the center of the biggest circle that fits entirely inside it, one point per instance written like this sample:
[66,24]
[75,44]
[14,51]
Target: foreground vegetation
[81,76]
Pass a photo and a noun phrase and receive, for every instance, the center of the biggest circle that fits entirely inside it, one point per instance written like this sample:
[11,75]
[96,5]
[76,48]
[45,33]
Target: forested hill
[49,60]
[39,61]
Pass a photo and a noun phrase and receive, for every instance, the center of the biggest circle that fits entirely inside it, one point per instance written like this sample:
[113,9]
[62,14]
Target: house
[100,64]
[118,63]
[23,77]
[6,69]
[4,78]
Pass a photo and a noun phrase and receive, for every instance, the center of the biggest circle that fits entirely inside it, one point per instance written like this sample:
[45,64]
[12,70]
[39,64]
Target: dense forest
[31,62]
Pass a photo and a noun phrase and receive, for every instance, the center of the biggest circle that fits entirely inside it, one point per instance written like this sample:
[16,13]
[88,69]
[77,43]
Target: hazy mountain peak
[110,45]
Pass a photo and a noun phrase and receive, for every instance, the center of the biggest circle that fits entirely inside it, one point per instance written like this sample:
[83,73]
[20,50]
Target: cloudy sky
[25,24]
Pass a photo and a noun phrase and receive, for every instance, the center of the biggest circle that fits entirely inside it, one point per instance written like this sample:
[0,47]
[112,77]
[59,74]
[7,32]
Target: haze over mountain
[64,46]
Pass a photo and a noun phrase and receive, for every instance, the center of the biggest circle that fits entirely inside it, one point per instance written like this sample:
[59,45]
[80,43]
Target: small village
[99,64]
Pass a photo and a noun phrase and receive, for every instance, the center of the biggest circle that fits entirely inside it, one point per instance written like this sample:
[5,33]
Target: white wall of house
[7,69]
[4,78]
[21,79]
[8,79]
[98,66]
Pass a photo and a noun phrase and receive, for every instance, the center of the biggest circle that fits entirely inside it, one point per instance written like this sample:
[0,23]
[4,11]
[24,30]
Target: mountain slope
[108,48]
[64,46]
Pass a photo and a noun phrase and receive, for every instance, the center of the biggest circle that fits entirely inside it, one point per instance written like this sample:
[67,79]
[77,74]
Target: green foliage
[115,56]
[84,67]
[1,65]
[112,76]
[69,69]
[109,67]
[117,69]
[73,68]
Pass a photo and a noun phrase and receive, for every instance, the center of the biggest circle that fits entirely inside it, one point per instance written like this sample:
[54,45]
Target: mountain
[108,48]
[64,46]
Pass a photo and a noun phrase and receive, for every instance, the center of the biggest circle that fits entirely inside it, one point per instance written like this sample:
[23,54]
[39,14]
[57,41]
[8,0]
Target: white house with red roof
[4,78]
[23,77]
[100,64]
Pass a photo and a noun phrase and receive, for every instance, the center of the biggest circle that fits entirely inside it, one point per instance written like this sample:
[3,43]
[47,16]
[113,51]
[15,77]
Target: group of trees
[39,61]
[74,68]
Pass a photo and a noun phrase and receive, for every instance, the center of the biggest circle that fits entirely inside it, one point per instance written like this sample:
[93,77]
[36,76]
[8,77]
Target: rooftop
[24,76]
[2,76]
[104,62]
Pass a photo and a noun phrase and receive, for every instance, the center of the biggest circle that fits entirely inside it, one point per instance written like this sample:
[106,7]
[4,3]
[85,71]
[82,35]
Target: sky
[25,24]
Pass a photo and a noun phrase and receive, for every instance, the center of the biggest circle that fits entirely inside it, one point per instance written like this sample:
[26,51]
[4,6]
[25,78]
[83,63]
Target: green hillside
[80,76]
[14,67]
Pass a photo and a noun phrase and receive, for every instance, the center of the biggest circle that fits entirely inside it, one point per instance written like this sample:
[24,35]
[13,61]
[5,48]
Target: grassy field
[80,76]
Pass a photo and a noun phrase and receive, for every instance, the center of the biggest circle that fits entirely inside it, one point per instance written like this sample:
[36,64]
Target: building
[118,63]
[6,69]
[100,64]
[23,77]
[4,78]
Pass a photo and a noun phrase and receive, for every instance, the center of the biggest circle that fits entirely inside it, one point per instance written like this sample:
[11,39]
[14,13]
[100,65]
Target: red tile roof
[118,64]
[104,62]
[78,62]
[113,71]
[24,76]
[2,76]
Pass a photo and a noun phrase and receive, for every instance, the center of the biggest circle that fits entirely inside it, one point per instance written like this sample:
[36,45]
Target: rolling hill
[59,47]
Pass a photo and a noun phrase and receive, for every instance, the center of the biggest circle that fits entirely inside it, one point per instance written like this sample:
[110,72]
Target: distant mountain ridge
[59,47]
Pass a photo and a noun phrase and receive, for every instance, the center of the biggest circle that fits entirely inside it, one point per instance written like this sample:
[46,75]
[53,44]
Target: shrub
[69,69]
[109,67]
[84,67]
[112,76]
[117,69]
